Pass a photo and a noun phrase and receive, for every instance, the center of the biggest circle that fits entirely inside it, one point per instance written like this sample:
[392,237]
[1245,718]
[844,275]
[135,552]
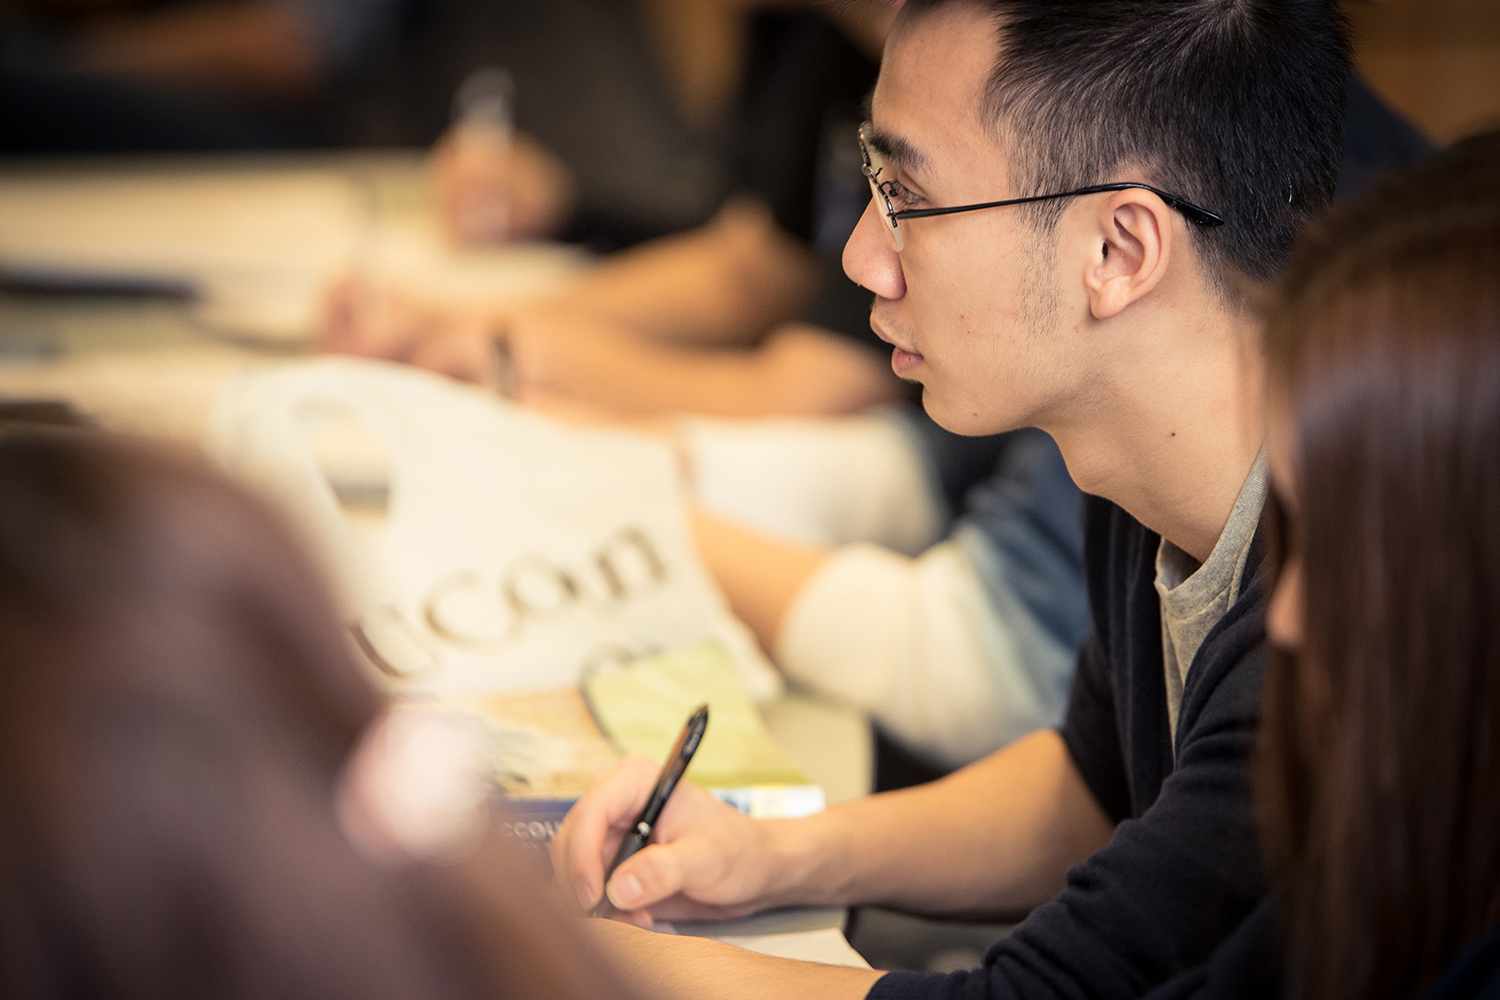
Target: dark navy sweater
[1182,869]
[1250,966]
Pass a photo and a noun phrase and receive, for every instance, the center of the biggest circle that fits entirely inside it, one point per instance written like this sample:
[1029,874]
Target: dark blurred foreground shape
[1378,763]
[177,708]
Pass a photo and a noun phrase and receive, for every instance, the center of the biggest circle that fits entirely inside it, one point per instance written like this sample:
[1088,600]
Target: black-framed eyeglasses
[874,166]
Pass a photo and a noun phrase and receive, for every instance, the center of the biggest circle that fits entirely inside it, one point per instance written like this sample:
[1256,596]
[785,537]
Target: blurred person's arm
[761,576]
[726,282]
[924,647]
[495,191]
[957,651]
[663,327]
[797,371]
[915,642]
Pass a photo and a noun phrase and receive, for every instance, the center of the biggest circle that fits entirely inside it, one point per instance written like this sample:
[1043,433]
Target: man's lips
[902,360]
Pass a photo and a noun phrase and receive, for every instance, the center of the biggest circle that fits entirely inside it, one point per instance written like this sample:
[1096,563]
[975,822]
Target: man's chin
[959,422]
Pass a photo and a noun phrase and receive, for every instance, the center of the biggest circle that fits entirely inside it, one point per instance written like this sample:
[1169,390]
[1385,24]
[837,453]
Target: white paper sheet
[260,246]
[828,946]
[812,934]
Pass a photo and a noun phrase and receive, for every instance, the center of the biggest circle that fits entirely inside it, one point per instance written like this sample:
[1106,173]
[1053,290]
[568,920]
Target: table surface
[155,366]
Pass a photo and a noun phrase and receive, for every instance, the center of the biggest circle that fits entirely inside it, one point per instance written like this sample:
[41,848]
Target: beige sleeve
[920,645]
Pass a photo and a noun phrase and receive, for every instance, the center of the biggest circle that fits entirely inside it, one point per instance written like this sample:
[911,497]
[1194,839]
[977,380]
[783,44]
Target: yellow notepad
[642,705]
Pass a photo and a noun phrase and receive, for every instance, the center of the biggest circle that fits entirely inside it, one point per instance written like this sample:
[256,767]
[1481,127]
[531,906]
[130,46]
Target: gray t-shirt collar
[1194,597]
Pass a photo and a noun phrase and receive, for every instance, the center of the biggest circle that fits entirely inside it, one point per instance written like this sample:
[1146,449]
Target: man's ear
[1132,234]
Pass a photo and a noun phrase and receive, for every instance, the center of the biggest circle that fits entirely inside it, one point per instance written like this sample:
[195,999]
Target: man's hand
[493,191]
[549,348]
[370,320]
[996,837]
[366,318]
[706,860]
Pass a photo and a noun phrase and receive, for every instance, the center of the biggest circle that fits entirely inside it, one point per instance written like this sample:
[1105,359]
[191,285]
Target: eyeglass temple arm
[1200,216]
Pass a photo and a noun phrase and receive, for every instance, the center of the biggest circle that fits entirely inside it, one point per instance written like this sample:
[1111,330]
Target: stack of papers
[642,705]
[254,249]
[550,745]
[808,935]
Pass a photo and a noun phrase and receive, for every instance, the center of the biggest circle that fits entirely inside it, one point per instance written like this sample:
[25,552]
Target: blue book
[534,821]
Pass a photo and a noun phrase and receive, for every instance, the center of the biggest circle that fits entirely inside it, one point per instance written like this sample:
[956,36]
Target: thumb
[653,874]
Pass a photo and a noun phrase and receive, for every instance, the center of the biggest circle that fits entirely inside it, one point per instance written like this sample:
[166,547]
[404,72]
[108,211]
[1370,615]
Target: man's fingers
[693,865]
[576,851]
[338,319]
[585,844]
[653,874]
[636,918]
[687,879]
[568,886]
[462,351]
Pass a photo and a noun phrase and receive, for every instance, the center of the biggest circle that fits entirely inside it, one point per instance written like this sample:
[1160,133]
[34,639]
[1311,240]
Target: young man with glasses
[1072,203]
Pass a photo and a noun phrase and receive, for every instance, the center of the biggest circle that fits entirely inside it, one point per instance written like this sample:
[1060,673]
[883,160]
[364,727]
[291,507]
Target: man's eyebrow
[897,150]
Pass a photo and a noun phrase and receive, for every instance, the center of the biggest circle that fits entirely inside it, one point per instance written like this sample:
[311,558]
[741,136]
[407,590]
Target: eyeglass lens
[873,168]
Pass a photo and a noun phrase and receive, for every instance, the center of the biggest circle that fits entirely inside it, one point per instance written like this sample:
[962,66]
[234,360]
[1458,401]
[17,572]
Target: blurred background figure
[667,326]
[954,648]
[728,125]
[953,614]
[1379,779]
[179,815]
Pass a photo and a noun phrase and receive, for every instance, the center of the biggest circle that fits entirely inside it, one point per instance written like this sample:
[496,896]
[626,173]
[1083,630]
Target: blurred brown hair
[177,703]
[1379,772]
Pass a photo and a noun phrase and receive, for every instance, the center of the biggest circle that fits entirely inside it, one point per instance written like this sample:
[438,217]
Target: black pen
[677,762]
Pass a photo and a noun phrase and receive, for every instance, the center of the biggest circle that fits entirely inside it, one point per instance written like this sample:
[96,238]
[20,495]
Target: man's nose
[870,257]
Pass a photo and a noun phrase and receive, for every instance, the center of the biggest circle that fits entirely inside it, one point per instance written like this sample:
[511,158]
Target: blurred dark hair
[1379,770]
[1235,105]
[177,703]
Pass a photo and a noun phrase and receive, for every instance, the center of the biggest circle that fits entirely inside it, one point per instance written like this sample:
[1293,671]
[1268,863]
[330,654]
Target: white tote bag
[478,547]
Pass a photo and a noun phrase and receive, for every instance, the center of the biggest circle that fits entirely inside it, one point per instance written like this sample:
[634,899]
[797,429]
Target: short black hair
[1235,105]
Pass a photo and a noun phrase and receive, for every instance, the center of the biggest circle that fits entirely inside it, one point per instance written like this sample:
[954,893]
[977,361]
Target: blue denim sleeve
[1021,529]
